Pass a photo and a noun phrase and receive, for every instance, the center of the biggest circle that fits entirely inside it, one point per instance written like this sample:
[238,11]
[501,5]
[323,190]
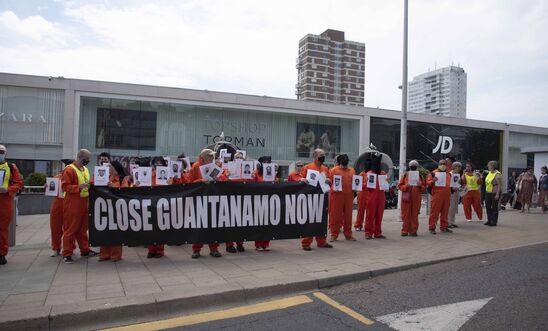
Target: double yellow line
[242,311]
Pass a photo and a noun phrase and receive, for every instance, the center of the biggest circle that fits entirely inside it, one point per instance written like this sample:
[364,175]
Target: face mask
[2,158]
[85,162]
[442,167]
[413,167]
[321,159]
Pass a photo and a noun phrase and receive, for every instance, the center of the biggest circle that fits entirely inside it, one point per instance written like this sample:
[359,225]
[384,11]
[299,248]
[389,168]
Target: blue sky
[250,47]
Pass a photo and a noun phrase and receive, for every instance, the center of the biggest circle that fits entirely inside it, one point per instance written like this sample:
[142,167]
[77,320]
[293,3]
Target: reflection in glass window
[126,129]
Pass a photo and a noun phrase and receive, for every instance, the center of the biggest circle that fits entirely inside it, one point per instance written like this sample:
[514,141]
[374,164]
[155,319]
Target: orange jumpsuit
[56,221]
[260,243]
[374,202]
[342,203]
[294,177]
[358,225]
[14,185]
[75,214]
[472,198]
[195,176]
[231,243]
[441,199]
[410,209]
[114,252]
[320,240]
[157,249]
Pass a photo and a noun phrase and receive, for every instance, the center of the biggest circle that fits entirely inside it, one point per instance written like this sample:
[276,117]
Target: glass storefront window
[429,142]
[156,128]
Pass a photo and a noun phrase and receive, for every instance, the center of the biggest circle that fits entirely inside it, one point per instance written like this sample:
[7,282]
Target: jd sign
[444,146]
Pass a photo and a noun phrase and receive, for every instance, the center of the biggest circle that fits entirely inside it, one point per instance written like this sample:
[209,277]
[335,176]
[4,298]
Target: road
[506,290]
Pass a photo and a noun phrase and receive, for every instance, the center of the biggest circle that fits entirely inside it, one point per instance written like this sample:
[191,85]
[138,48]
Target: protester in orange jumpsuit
[11,182]
[360,216]
[317,164]
[206,156]
[441,199]
[56,217]
[117,179]
[75,183]
[262,245]
[472,197]
[295,176]
[330,216]
[157,250]
[411,206]
[240,244]
[343,201]
[374,201]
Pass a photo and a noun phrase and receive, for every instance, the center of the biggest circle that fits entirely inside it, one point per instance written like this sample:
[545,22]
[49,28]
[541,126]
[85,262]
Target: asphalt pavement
[506,290]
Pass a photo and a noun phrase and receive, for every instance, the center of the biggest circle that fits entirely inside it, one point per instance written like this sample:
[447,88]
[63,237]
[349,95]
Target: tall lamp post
[403,128]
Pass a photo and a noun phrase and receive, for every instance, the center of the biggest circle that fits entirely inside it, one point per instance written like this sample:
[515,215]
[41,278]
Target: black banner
[205,213]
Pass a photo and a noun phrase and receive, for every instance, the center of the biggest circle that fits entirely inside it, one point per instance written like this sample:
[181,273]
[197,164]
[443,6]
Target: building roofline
[176,93]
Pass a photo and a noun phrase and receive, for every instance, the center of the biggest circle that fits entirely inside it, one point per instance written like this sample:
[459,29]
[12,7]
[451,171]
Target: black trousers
[492,207]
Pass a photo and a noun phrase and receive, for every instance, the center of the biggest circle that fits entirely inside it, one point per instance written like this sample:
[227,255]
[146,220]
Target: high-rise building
[439,92]
[331,69]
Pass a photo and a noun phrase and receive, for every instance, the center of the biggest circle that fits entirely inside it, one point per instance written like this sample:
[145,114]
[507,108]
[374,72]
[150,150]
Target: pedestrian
[455,196]
[374,200]
[343,201]
[493,192]
[527,183]
[207,156]
[543,188]
[511,190]
[75,183]
[11,182]
[411,199]
[472,196]
[318,165]
[441,198]
[483,174]
[117,179]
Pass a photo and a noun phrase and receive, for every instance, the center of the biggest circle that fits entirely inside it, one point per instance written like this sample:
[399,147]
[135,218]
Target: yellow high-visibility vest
[4,167]
[471,182]
[83,177]
[489,181]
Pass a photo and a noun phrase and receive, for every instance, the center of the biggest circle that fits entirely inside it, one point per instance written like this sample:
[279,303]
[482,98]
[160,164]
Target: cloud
[250,47]
[32,29]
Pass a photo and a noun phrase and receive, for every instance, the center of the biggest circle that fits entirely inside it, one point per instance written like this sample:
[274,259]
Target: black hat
[264,159]
[119,168]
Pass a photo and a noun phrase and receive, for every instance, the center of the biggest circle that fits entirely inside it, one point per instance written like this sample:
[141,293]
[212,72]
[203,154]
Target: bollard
[13,224]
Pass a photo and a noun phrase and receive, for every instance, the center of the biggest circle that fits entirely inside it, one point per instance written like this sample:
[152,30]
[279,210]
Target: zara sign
[22,118]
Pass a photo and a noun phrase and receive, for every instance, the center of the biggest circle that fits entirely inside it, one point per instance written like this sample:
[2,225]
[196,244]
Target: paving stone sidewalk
[34,285]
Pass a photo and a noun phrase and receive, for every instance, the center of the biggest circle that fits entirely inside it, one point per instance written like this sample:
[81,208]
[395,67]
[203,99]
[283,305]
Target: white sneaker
[54,254]
[468,220]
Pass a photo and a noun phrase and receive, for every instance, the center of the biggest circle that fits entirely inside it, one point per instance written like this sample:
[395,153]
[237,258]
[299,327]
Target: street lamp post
[403,128]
